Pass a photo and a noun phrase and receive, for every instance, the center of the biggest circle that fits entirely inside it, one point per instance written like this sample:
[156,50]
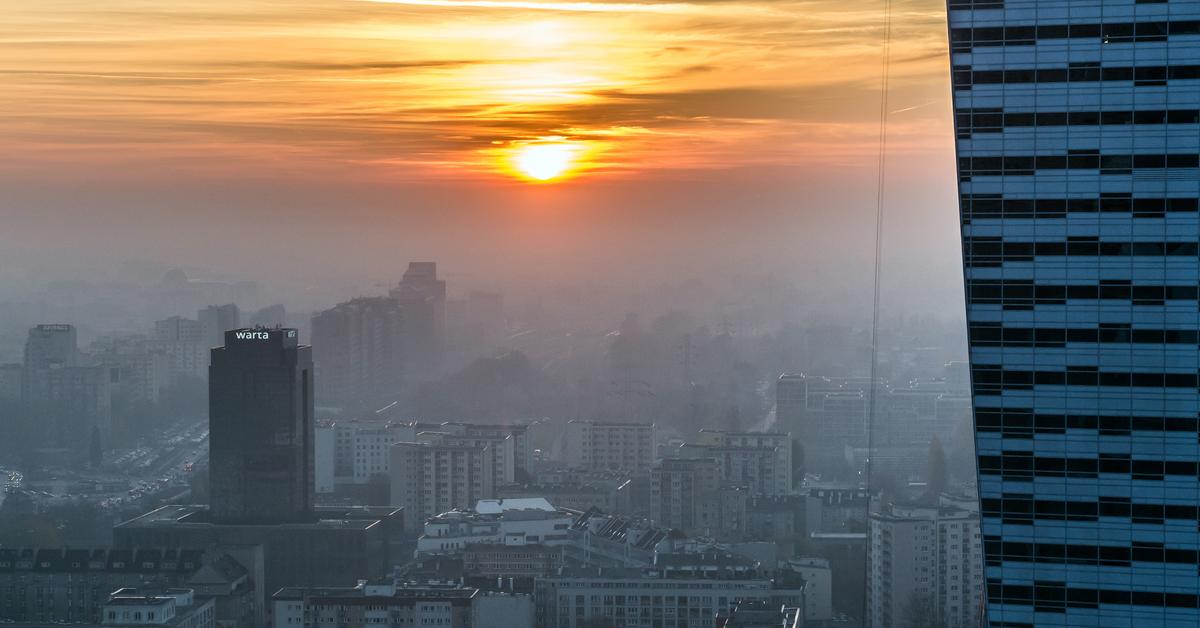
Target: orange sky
[420,88]
[715,132]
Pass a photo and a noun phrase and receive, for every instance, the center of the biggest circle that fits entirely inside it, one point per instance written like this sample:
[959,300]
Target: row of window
[1022,422]
[963,39]
[993,377]
[1023,508]
[996,206]
[1090,246]
[995,120]
[1028,165]
[995,335]
[964,77]
[1107,555]
[1023,465]
[1018,291]
[1056,596]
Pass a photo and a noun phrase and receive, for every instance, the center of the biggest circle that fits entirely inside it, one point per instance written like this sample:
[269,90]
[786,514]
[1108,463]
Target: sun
[543,162]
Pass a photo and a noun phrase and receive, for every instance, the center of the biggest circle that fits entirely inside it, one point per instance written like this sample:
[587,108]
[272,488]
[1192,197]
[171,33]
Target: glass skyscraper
[1078,141]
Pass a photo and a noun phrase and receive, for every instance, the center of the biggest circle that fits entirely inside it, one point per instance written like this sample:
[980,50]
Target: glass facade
[1078,141]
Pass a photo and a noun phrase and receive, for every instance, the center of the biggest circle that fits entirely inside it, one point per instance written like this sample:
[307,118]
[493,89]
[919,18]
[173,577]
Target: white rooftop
[500,506]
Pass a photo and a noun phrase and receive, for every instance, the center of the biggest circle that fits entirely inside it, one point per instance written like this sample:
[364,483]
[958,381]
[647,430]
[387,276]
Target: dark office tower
[215,320]
[358,347]
[1078,145]
[51,346]
[260,421]
[423,297]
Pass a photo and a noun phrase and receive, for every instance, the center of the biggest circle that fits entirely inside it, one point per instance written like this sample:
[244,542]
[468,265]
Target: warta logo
[251,335]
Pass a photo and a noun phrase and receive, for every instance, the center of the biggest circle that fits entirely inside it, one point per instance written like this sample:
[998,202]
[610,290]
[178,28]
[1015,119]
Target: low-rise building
[511,522]
[384,602]
[678,591]
[170,608]
[74,585]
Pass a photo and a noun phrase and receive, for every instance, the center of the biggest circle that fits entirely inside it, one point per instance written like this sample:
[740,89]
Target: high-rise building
[423,297]
[358,349]
[688,494]
[51,346]
[261,427]
[761,462]
[429,478]
[610,445]
[1077,142]
[181,341]
[55,379]
[824,416]
[215,320]
[924,566]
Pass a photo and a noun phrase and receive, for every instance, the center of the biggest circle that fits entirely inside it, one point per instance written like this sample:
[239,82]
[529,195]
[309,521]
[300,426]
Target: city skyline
[386,129]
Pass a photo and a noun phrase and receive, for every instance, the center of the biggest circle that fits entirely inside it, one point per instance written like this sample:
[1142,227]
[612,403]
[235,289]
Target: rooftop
[197,517]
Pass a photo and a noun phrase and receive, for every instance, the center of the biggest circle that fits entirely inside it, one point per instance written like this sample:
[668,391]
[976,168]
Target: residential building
[215,320]
[689,494]
[925,566]
[423,297]
[429,478]
[181,341]
[47,586]
[678,591]
[610,446]
[359,352]
[760,462]
[1076,136]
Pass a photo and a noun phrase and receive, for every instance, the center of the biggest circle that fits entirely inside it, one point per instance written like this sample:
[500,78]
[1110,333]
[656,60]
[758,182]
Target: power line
[880,182]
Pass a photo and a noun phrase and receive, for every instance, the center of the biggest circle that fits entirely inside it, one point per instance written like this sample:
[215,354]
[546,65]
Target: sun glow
[544,162]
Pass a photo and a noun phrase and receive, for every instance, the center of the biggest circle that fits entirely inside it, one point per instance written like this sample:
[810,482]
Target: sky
[332,140]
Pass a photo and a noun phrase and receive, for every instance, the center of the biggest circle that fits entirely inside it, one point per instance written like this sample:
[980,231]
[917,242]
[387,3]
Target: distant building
[511,522]
[215,320]
[261,441]
[608,445]
[678,591]
[579,498]
[172,608]
[423,297]
[12,381]
[335,547]
[925,565]
[384,602]
[270,316]
[429,478]
[689,494]
[761,462]
[761,614]
[818,587]
[51,346]
[359,352]
[73,585]
[824,417]
[182,342]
